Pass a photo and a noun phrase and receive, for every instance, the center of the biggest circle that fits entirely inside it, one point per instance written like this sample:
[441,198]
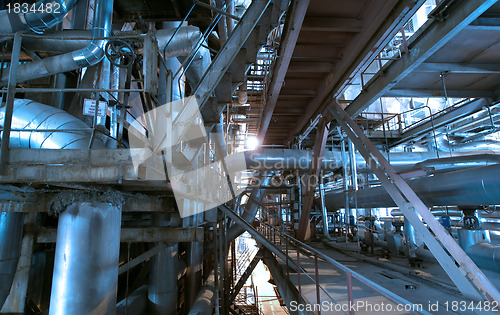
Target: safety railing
[303,256]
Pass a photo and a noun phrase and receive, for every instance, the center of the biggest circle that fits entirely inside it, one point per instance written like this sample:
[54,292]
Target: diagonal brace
[410,204]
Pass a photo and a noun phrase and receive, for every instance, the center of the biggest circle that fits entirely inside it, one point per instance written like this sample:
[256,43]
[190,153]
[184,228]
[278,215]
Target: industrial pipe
[36,117]
[85,279]
[205,300]
[38,20]
[135,303]
[86,57]
[292,159]
[181,45]
[62,41]
[469,187]
[162,291]
[11,231]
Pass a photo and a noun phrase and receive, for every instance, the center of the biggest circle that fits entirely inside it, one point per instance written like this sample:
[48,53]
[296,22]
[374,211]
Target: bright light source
[252,142]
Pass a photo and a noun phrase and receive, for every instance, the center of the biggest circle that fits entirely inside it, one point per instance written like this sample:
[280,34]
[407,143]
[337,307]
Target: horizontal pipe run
[469,187]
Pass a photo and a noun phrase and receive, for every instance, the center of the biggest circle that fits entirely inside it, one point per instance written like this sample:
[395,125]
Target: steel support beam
[137,235]
[459,267]
[459,67]
[359,54]
[9,109]
[405,92]
[142,257]
[293,24]
[312,179]
[434,35]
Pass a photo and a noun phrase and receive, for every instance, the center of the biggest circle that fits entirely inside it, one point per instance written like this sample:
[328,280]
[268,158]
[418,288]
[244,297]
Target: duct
[35,21]
[162,292]
[135,303]
[88,56]
[252,206]
[468,187]
[85,279]
[181,45]
[11,231]
[31,115]
[62,41]
[205,300]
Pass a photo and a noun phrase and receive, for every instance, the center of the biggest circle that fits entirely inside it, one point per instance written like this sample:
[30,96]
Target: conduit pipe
[35,21]
[162,291]
[11,231]
[35,117]
[86,57]
[470,187]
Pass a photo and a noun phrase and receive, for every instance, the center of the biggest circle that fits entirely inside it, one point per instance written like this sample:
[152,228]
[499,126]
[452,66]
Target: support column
[85,279]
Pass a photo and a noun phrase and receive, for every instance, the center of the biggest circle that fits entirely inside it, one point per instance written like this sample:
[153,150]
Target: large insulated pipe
[35,118]
[162,291]
[252,205]
[290,159]
[38,20]
[469,187]
[181,45]
[204,303]
[88,56]
[485,255]
[85,279]
[11,230]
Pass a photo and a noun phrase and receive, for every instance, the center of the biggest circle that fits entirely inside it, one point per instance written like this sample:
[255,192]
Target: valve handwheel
[120,53]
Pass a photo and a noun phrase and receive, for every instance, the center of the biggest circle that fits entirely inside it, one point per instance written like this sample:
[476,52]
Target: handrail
[378,288]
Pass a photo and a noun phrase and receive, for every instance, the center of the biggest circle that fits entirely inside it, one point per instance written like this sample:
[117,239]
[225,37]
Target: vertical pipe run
[11,231]
[85,278]
[162,290]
